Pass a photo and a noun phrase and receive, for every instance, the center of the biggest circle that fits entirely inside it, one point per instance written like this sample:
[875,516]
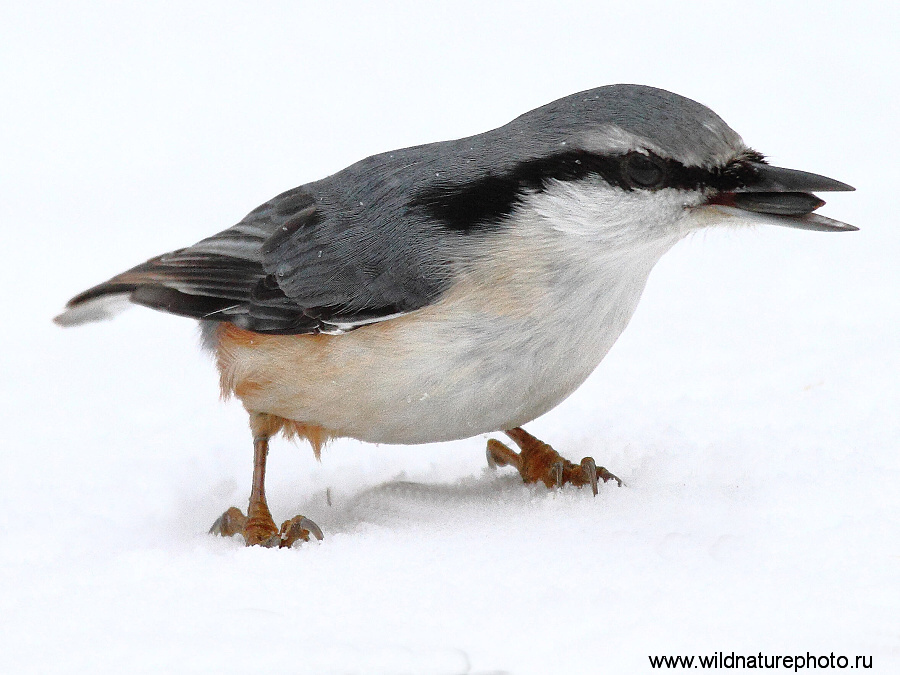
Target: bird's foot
[537,461]
[260,530]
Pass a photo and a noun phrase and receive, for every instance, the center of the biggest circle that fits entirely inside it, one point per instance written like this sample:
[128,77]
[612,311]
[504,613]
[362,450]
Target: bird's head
[637,163]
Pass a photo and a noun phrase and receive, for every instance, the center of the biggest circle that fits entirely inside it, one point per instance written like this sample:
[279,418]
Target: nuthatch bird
[458,288]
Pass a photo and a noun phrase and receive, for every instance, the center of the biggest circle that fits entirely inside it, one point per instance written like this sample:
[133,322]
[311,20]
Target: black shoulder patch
[478,205]
[485,202]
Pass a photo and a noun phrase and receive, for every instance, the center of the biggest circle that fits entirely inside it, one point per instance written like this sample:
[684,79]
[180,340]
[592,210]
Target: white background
[751,406]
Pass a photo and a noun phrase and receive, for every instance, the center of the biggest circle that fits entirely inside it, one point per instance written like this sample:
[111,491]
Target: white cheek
[613,217]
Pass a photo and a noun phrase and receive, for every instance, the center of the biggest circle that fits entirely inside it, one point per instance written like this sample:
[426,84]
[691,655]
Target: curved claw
[219,527]
[556,473]
[230,523]
[492,463]
[589,469]
[297,528]
[314,529]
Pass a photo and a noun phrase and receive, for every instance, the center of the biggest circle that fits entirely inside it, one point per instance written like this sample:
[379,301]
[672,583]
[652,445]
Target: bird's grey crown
[383,236]
[653,119]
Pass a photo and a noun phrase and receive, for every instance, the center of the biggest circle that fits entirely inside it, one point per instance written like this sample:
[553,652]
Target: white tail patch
[97,309]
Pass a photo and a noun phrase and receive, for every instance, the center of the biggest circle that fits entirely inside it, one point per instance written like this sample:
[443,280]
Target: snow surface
[751,407]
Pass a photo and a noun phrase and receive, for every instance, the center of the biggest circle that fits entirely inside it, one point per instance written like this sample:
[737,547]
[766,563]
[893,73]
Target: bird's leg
[258,527]
[537,461]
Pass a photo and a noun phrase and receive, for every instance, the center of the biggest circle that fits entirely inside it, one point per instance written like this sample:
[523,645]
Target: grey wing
[291,266]
[361,252]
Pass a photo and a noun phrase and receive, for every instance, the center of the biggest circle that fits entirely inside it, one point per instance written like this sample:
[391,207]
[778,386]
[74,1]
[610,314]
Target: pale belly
[473,363]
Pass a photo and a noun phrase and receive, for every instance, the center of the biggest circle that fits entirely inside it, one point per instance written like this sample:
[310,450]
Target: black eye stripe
[676,175]
[484,203]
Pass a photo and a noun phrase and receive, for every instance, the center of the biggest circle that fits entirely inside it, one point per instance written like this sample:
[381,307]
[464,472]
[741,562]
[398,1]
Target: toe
[499,454]
[606,476]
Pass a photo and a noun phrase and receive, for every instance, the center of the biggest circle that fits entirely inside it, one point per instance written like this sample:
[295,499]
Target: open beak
[778,196]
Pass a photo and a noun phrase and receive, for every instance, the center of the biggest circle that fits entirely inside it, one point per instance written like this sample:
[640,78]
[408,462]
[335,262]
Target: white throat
[566,279]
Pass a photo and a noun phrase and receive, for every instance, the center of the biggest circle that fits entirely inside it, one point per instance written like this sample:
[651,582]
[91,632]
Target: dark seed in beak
[778,203]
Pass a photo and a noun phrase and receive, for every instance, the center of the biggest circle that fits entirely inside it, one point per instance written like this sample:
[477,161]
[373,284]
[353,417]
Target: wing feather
[276,271]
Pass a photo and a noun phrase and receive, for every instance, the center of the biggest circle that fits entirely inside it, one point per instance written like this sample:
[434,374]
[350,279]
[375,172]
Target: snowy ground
[751,407]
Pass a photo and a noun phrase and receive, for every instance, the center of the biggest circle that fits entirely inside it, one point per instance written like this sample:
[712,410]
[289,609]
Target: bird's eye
[643,171]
